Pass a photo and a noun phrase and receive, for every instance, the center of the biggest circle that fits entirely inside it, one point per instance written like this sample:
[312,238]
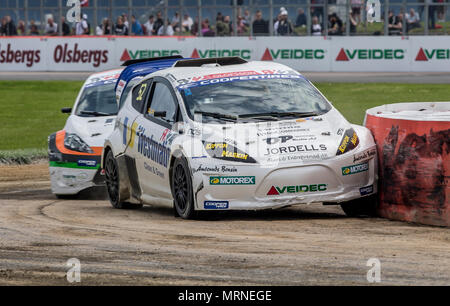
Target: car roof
[103,77]
[217,71]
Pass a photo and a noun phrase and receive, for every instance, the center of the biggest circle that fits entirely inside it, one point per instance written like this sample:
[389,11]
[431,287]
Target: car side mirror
[66,110]
[159,114]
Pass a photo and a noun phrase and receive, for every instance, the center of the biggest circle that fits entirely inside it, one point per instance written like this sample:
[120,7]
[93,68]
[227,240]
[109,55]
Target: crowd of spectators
[246,24]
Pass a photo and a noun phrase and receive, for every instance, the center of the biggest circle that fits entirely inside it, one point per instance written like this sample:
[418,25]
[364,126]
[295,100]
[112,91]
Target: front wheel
[365,206]
[183,197]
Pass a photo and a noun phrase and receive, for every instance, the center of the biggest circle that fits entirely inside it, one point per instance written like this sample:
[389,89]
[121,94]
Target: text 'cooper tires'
[361,207]
[183,198]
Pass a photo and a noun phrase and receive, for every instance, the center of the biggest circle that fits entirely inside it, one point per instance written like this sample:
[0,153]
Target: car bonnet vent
[222,61]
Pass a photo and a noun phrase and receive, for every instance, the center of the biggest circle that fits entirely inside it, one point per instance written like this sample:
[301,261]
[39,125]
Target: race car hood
[302,139]
[93,130]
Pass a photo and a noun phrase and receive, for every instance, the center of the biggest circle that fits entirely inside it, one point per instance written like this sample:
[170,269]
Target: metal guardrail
[37,10]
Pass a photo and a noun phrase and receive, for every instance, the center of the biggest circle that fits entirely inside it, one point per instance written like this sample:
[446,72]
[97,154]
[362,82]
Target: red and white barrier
[413,143]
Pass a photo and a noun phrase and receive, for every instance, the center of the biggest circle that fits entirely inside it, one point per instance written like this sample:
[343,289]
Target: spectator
[394,24]
[334,25]
[120,28]
[284,25]
[241,27]
[125,20]
[440,11]
[222,28]
[187,23]
[206,29]
[316,28]
[136,28]
[21,29]
[195,27]
[51,28]
[356,10]
[65,27]
[8,27]
[148,26]
[353,22]
[158,23]
[301,18]
[412,20]
[317,10]
[260,26]
[34,30]
[246,18]
[169,30]
[104,28]
[176,20]
[82,27]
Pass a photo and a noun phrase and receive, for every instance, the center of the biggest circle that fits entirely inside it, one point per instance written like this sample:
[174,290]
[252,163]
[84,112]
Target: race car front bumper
[242,187]
[71,171]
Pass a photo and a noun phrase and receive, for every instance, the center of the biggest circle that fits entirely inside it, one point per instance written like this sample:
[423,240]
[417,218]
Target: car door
[154,130]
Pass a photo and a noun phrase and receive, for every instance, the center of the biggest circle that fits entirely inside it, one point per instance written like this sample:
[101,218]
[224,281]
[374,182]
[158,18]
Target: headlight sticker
[225,151]
[349,141]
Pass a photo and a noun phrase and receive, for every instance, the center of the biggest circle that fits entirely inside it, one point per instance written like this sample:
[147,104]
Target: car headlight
[75,143]
[349,141]
[225,151]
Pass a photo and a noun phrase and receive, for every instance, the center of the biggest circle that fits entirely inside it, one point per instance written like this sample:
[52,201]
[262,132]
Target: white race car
[227,134]
[75,152]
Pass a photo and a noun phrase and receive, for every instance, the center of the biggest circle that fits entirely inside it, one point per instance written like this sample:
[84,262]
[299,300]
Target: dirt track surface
[303,245]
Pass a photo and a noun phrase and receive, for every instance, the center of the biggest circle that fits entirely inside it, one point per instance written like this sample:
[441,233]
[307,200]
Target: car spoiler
[142,67]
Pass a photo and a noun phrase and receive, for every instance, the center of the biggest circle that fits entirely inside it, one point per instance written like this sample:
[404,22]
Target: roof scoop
[217,61]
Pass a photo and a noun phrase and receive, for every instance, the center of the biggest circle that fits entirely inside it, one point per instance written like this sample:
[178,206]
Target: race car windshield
[97,101]
[256,98]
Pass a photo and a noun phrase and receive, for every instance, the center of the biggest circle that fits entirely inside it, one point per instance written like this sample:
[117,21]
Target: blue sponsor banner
[215,205]
[366,190]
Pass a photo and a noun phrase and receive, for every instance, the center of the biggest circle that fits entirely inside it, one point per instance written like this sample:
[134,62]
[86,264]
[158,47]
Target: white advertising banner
[360,53]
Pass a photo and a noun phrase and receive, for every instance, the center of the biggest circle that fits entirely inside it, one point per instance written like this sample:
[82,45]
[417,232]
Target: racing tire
[113,184]
[366,206]
[181,185]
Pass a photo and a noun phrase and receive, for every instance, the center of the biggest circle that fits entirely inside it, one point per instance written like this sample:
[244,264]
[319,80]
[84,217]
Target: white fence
[377,53]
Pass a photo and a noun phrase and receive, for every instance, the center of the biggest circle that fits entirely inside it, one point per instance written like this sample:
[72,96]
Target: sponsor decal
[227,152]
[147,53]
[296,149]
[286,138]
[153,170]
[339,132]
[348,142]
[152,149]
[244,53]
[232,180]
[215,205]
[364,155]
[225,169]
[187,84]
[64,54]
[29,57]
[355,168]
[430,54]
[87,163]
[302,157]
[296,54]
[370,54]
[366,190]
[276,190]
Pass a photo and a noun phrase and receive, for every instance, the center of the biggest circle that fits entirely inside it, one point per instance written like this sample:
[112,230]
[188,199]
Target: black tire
[183,195]
[113,184]
[361,207]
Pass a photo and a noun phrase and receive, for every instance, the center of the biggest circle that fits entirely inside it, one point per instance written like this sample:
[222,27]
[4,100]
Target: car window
[126,91]
[162,101]
[97,101]
[140,94]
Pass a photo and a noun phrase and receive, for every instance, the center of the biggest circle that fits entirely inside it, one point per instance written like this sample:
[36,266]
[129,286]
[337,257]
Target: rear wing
[140,68]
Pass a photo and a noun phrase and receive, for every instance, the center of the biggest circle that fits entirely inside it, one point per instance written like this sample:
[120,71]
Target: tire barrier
[413,143]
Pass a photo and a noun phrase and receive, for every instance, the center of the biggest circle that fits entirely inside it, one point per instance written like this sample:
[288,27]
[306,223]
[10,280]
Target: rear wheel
[183,197]
[361,207]
[113,184]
